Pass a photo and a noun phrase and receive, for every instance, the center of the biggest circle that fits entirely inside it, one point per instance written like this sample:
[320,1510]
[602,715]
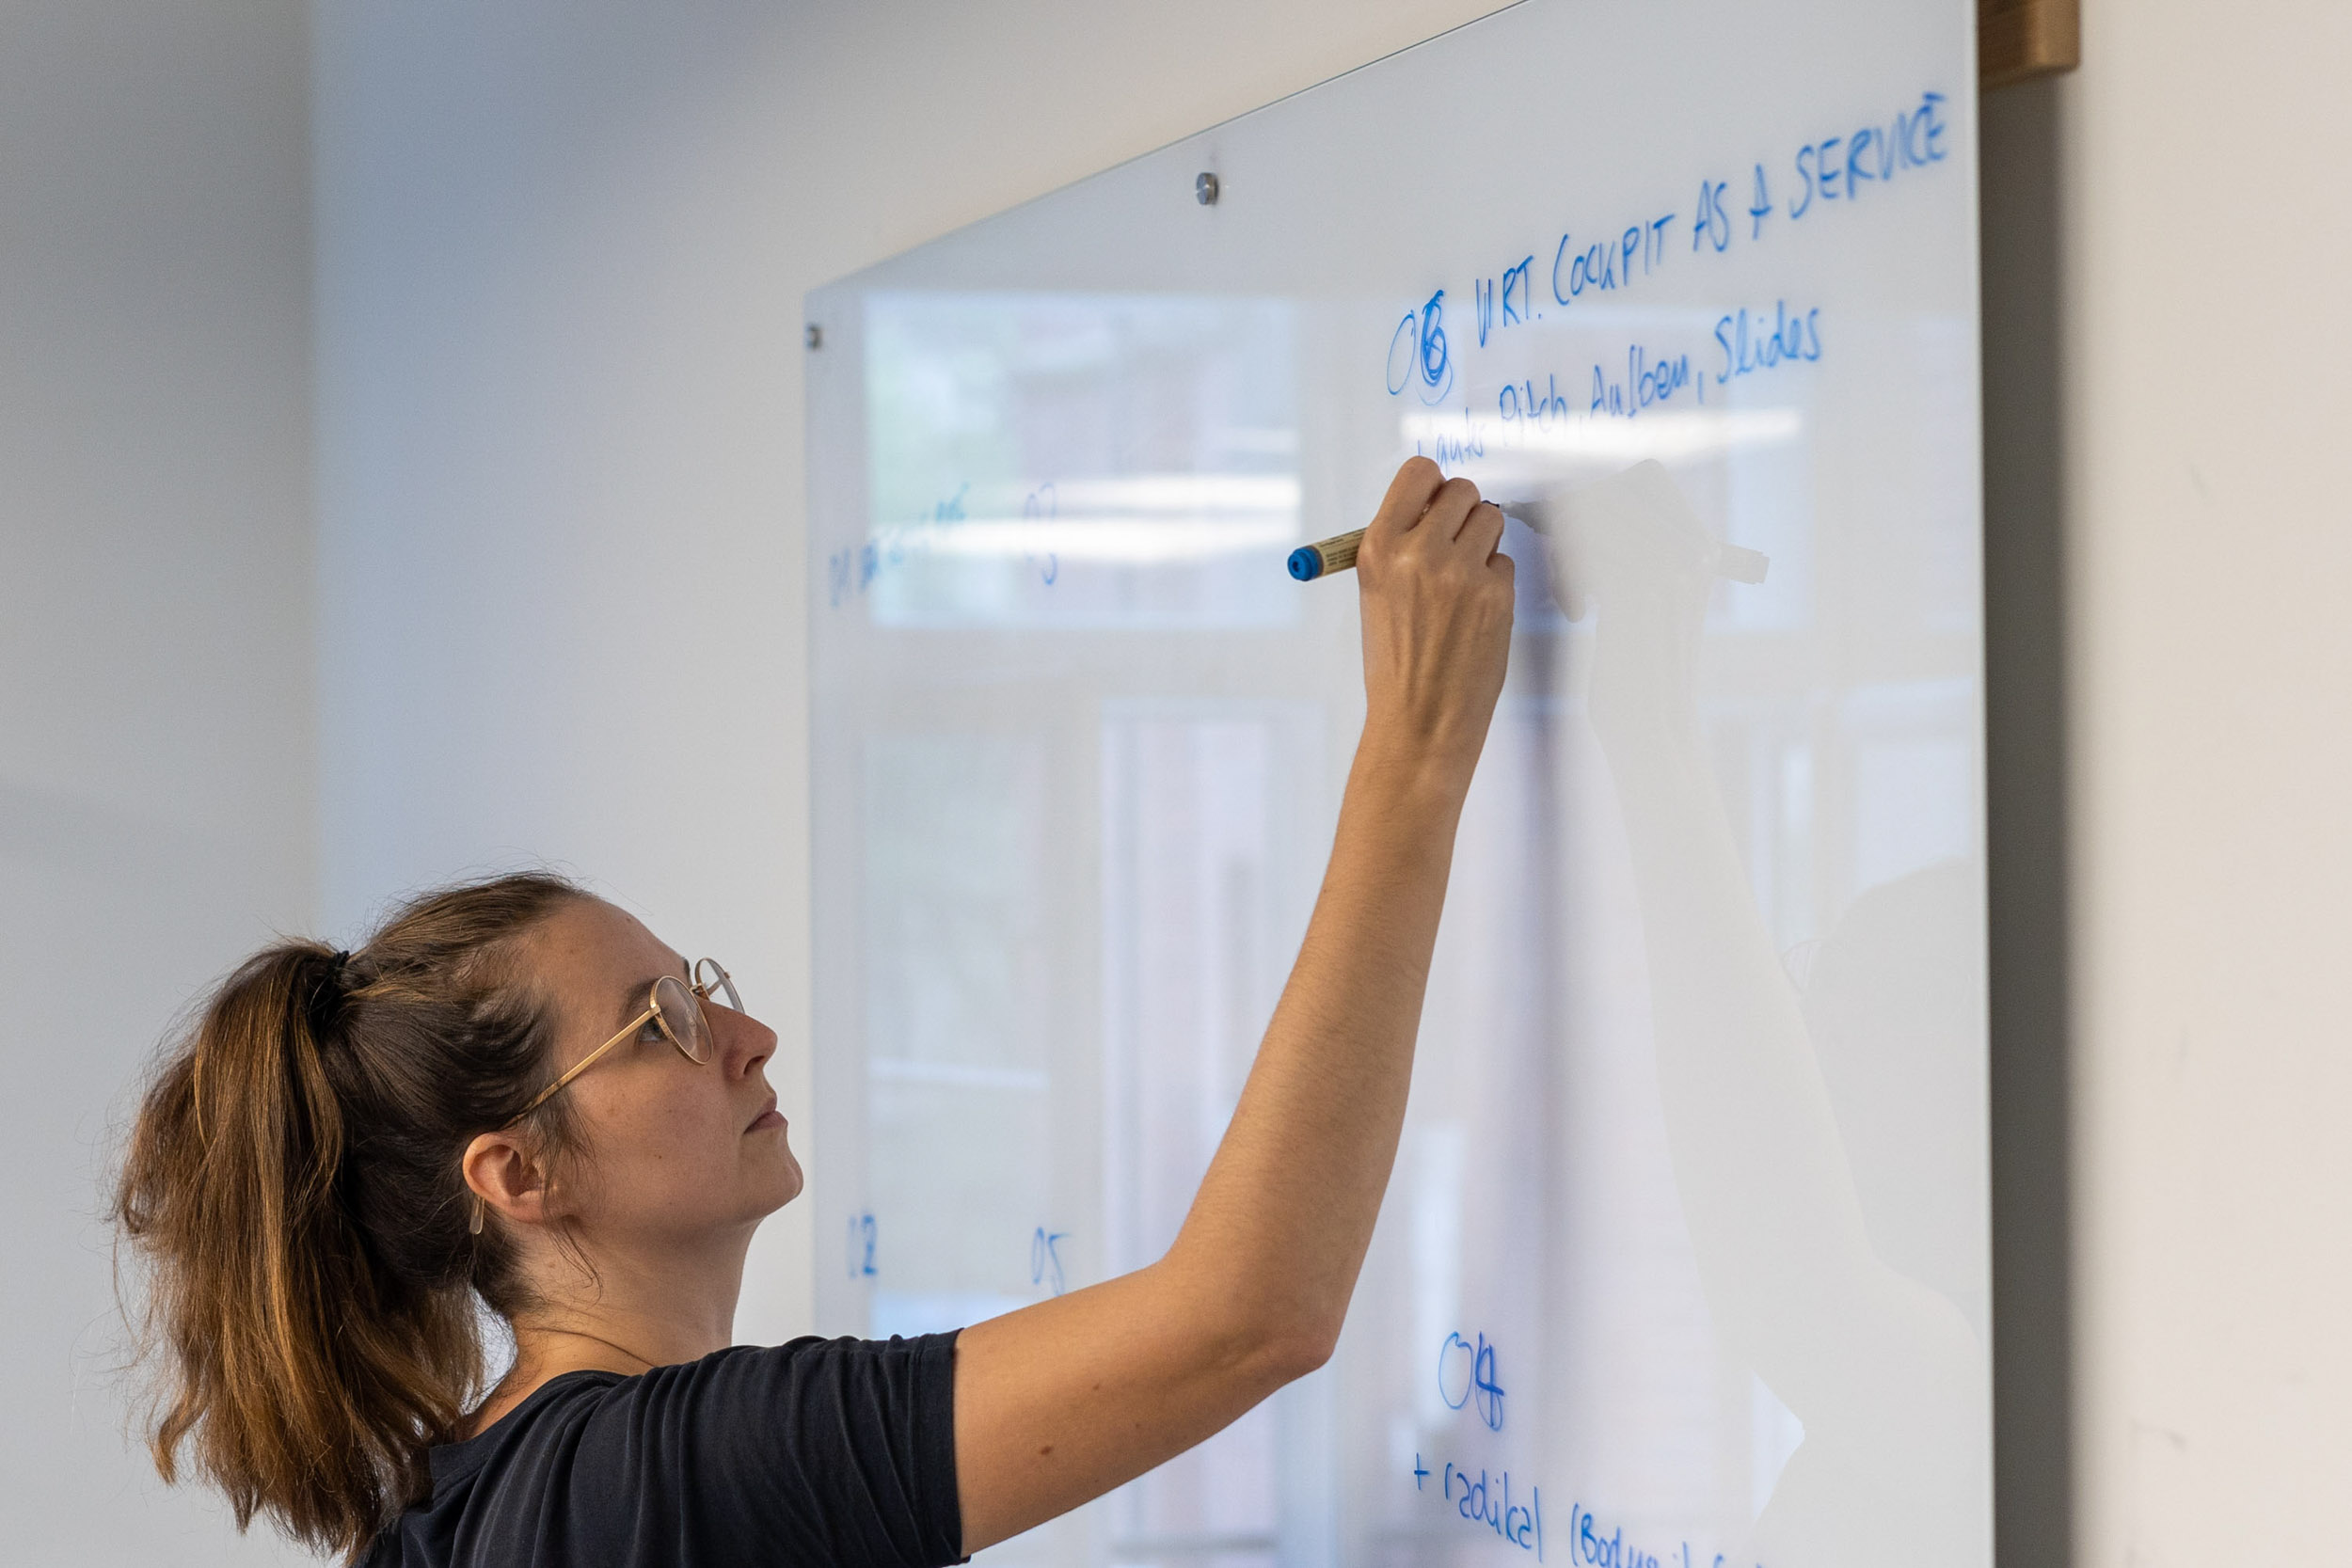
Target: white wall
[561,255]
[156,744]
[2204,245]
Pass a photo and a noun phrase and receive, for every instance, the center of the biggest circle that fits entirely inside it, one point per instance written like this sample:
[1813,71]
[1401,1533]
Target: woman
[514,1094]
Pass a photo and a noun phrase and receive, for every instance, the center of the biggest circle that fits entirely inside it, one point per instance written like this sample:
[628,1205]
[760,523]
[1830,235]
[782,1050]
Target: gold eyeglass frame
[698,993]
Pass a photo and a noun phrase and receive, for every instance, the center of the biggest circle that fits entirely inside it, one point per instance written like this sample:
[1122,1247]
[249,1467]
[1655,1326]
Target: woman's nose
[743,1040]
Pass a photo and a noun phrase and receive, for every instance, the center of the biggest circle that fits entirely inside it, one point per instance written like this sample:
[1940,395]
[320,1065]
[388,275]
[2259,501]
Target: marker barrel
[1335,554]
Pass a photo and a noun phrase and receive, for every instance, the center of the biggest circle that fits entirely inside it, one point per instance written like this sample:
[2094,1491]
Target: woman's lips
[766,1120]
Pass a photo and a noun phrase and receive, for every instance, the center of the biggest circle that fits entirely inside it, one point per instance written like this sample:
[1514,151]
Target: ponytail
[293,1187]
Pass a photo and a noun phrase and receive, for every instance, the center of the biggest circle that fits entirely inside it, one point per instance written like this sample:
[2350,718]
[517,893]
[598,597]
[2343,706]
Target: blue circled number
[1466,1372]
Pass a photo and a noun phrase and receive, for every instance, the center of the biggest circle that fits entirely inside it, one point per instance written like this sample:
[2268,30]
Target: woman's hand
[1437,602]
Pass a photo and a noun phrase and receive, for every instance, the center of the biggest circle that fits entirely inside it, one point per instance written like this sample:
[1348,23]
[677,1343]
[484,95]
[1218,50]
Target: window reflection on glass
[957,978]
[1195,937]
[1044,460]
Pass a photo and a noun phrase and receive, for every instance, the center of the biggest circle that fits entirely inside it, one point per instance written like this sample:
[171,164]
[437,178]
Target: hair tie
[328,997]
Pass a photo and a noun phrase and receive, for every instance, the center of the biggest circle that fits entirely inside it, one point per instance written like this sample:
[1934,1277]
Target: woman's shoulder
[466,1475]
[599,1455]
[768,1386]
[562,1400]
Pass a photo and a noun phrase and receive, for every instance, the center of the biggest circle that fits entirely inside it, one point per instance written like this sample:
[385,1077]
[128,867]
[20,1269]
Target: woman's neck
[624,1315]
[668,1304]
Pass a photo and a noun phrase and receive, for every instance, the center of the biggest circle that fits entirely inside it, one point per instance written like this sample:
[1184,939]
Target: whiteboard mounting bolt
[816,335]
[1204,190]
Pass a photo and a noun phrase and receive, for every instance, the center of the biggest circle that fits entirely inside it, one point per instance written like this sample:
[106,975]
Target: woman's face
[676,1151]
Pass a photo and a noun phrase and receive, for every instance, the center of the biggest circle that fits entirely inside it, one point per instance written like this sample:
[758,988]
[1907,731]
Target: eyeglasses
[675,1012]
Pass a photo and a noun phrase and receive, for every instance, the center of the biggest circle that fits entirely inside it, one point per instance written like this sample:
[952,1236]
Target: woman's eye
[651,1033]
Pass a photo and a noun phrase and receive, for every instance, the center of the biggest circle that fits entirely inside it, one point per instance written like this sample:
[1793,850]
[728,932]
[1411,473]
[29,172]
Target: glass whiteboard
[1685,1257]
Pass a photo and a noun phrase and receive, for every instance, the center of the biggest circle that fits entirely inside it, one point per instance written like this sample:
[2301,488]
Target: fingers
[1416,484]
[1449,508]
[1482,529]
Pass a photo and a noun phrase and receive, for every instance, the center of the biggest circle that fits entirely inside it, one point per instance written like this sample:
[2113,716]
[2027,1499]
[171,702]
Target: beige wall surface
[156,744]
[561,255]
[2202,239]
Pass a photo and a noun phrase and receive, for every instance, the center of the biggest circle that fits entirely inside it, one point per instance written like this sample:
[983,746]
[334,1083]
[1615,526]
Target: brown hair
[293,1188]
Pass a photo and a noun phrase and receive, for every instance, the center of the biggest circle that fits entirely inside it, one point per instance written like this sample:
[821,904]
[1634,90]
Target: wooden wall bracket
[2020,39]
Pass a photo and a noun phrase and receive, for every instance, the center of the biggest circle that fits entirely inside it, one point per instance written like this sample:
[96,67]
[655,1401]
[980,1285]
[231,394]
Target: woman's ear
[506,1175]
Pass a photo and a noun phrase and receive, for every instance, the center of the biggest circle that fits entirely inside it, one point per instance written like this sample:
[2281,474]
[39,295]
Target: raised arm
[1061,1402]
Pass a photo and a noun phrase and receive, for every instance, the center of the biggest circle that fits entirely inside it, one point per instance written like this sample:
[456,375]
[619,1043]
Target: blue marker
[1335,554]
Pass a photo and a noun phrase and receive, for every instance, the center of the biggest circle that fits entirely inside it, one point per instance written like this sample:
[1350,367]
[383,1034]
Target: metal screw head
[816,335]
[1204,190]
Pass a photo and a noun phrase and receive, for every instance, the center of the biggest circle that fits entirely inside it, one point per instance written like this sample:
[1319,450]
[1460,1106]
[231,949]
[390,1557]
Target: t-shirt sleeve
[833,1452]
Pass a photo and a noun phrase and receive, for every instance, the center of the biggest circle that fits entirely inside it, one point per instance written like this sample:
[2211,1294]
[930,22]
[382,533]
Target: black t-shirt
[838,1451]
